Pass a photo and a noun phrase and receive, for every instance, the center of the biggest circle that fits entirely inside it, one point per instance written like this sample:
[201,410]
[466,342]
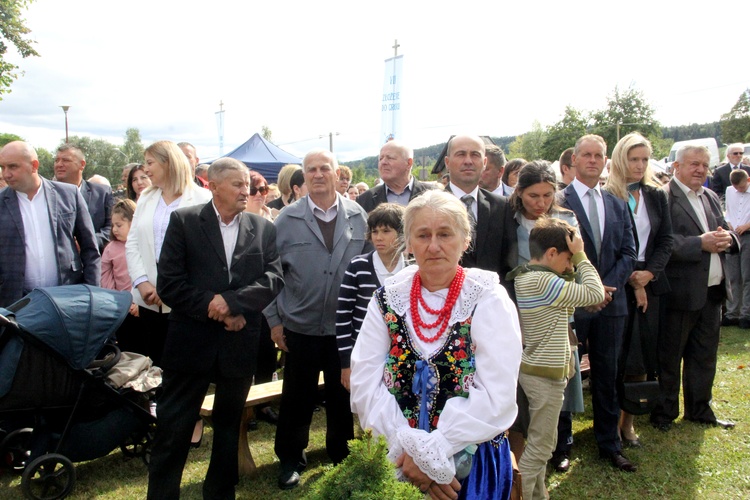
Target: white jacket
[139,249]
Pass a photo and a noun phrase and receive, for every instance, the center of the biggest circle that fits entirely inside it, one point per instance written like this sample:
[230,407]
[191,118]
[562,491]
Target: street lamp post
[65,109]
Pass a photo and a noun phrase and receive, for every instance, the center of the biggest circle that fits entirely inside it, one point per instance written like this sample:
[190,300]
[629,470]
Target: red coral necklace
[443,315]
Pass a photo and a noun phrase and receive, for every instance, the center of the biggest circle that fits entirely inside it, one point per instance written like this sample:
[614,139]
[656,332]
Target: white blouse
[490,407]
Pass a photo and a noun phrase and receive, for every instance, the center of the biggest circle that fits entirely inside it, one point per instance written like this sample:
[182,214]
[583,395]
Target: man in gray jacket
[317,237]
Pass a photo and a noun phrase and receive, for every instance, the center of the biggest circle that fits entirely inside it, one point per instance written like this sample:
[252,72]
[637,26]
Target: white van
[709,142]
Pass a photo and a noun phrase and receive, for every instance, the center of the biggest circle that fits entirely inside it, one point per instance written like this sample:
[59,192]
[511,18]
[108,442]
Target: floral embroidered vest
[449,371]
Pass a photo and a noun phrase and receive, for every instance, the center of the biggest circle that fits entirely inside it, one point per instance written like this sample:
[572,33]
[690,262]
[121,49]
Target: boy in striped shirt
[547,294]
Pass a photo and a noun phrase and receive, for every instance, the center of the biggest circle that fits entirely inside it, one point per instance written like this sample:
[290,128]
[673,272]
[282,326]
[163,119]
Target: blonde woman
[172,187]
[631,180]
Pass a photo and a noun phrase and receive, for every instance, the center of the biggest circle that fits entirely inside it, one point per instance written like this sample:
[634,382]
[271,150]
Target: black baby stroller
[57,405]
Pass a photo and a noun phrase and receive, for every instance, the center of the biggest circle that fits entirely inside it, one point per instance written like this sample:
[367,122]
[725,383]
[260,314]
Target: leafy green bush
[366,474]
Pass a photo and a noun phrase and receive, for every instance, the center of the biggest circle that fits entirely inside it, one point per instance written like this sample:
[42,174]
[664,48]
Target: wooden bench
[259,394]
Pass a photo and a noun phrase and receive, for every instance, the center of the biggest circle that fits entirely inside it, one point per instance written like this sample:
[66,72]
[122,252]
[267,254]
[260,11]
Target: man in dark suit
[218,269]
[698,286]
[69,165]
[43,224]
[465,161]
[398,186]
[720,180]
[606,228]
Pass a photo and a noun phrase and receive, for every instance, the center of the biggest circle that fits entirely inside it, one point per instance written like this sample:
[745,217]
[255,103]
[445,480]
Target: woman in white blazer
[172,187]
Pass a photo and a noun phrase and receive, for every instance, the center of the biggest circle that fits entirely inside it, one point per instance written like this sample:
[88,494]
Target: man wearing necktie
[698,286]
[606,228]
[465,161]
[720,180]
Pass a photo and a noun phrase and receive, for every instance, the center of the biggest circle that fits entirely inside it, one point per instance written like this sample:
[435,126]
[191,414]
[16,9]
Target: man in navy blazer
[69,165]
[398,186]
[41,250]
[218,269]
[612,251]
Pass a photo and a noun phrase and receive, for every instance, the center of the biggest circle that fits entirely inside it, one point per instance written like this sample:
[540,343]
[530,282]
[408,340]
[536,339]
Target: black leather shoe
[289,480]
[560,462]
[619,461]
[744,323]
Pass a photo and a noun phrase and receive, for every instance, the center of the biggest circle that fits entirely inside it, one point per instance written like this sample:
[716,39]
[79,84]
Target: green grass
[690,461]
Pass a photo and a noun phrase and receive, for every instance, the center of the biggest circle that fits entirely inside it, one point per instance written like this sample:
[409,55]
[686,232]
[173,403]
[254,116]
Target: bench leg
[245,457]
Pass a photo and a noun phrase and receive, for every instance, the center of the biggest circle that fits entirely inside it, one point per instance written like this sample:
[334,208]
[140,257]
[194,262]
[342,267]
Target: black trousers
[309,355]
[178,406]
[604,334]
[690,339]
[153,328]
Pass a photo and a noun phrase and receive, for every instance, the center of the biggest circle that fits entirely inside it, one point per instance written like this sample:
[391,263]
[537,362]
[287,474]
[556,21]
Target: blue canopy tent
[263,157]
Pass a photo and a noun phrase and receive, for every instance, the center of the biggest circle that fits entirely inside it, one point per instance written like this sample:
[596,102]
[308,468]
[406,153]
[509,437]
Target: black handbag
[638,398]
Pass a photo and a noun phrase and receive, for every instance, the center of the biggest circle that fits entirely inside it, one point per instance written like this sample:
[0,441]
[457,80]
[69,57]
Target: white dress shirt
[715,272]
[738,207]
[460,193]
[229,233]
[41,253]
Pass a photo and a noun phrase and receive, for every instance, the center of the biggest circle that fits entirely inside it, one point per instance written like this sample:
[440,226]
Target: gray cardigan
[312,275]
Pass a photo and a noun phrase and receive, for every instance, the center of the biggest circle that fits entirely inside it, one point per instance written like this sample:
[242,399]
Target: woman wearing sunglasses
[256,203]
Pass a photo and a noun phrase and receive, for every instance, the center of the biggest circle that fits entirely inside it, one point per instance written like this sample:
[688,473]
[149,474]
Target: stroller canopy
[73,320]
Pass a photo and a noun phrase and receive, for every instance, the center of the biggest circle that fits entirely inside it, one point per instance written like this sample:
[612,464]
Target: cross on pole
[395,48]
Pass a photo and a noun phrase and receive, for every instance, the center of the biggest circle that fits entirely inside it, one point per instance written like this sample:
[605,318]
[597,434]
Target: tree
[564,134]
[46,163]
[528,145]
[12,30]
[133,147]
[735,125]
[266,133]
[6,138]
[626,112]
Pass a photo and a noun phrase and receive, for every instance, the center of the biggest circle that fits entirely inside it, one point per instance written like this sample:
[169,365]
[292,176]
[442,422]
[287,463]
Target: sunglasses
[260,189]
[736,153]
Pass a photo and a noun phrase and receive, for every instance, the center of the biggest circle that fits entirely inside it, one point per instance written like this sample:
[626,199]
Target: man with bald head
[69,164]
[399,186]
[43,224]
[465,161]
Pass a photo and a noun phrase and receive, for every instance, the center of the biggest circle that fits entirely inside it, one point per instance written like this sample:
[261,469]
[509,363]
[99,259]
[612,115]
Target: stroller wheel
[15,448]
[48,477]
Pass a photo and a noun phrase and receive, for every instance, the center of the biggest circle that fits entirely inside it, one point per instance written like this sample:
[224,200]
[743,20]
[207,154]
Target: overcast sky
[305,69]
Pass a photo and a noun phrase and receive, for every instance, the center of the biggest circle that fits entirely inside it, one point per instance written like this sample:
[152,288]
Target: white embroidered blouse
[491,406]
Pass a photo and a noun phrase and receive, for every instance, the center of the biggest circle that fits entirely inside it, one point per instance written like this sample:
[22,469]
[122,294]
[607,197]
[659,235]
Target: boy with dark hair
[547,295]
[738,264]
[365,274]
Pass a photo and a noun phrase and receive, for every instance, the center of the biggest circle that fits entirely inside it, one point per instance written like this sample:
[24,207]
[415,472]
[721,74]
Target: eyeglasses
[736,153]
[260,189]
